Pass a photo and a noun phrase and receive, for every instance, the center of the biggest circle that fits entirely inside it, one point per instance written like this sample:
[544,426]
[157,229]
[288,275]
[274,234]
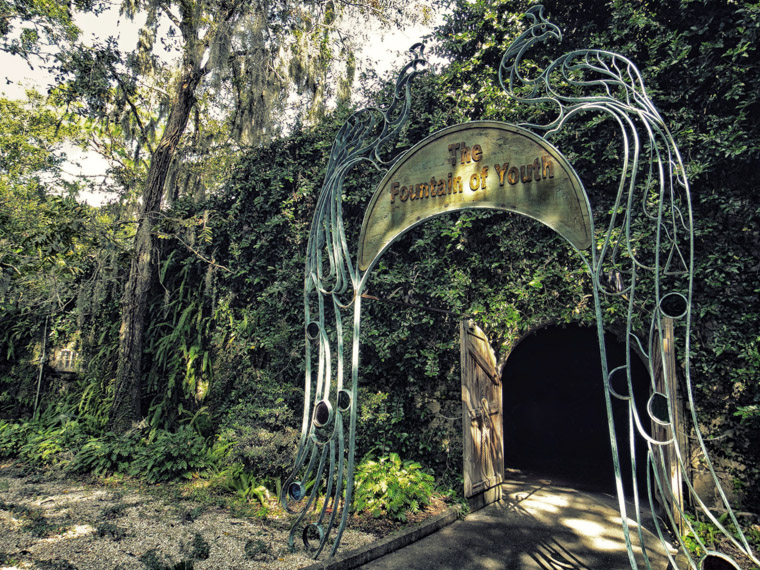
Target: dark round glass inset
[322,413]
[296,491]
[717,561]
[312,329]
[344,400]
[312,532]
[658,408]
[619,383]
[673,305]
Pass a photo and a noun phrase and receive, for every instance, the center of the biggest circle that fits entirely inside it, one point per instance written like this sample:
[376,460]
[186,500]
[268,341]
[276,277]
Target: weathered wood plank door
[481,418]
[666,383]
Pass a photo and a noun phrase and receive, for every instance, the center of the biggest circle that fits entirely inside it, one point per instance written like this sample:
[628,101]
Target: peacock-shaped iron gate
[657,283]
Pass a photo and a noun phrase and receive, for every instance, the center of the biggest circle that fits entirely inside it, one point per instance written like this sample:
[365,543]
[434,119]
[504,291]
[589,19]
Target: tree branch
[198,254]
[135,113]
[168,13]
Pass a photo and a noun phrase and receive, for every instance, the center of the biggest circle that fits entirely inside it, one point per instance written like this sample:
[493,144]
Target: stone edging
[388,544]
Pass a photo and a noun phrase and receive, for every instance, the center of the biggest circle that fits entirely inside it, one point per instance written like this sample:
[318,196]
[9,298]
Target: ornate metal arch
[657,283]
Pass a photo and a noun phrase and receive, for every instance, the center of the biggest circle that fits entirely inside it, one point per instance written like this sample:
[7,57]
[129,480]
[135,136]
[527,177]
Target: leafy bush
[12,437]
[109,453]
[244,484]
[43,446]
[707,534]
[171,455]
[266,454]
[390,487]
[168,455]
[52,440]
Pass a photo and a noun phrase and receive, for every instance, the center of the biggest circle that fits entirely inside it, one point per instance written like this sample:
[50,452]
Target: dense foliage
[391,487]
[223,355]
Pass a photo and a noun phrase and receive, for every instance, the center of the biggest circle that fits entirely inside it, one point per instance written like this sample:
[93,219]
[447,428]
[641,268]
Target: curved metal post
[658,287]
[320,488]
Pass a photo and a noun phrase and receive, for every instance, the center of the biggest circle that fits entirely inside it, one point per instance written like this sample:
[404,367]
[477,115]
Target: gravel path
[49,522]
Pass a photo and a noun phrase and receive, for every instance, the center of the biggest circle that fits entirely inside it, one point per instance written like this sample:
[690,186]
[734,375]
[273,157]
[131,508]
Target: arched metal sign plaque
[482,164]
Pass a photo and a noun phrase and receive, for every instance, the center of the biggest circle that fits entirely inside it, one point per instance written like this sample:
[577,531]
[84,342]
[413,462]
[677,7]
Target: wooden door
[670,472]
[481,418]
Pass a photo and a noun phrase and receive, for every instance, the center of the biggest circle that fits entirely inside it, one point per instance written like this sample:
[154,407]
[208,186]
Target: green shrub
[52,441]
[266,454]
[706,533]
[171,456]
[110,453]
[12,437]
[244,484]
[390,487]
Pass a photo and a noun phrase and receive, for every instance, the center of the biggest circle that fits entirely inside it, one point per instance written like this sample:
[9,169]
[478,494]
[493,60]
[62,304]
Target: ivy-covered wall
[511,273]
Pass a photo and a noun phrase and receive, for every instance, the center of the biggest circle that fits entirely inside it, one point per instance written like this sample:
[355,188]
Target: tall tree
[40,232]
[251,55]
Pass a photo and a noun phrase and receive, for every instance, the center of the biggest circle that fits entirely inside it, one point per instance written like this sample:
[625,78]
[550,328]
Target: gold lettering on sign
[540,169]
[466,154]
[453,147]
[526,173]
[394,191]
[548,167]
[501,171]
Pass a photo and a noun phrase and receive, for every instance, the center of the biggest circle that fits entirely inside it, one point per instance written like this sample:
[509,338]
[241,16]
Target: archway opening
[555,420]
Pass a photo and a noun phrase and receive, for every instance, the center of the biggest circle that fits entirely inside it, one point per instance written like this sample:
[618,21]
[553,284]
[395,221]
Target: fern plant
[245,485]
[12,437]
[391,487]
[109,453]
[170,456]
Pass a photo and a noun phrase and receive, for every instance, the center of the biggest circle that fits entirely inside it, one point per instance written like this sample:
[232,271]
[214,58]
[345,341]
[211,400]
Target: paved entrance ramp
[539,525]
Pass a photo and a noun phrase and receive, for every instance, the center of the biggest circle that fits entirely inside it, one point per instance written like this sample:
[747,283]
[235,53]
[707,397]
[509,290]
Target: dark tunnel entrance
[555,423]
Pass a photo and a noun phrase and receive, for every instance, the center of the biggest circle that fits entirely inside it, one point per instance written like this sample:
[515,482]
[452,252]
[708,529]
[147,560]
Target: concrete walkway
[540,525]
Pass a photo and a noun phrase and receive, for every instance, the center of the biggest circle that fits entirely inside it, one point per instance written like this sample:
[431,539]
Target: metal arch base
[654,191]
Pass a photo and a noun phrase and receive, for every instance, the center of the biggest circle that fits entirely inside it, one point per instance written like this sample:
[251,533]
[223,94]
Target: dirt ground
[49,521]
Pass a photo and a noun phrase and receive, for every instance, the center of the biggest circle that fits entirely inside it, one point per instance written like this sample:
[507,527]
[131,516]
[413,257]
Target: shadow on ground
[539,525]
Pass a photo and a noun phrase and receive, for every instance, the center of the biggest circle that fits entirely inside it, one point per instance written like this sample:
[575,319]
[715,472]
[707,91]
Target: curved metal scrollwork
[656,279]
[322,480]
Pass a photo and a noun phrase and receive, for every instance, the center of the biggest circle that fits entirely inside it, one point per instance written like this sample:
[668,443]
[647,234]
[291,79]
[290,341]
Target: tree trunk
[126,407]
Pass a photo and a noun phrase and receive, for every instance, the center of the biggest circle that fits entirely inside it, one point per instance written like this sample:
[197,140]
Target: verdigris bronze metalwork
[324,465]
[655,279]
[658,285]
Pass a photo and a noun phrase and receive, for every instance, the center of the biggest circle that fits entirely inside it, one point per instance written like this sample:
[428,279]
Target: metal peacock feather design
[656,281]
[324,465]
